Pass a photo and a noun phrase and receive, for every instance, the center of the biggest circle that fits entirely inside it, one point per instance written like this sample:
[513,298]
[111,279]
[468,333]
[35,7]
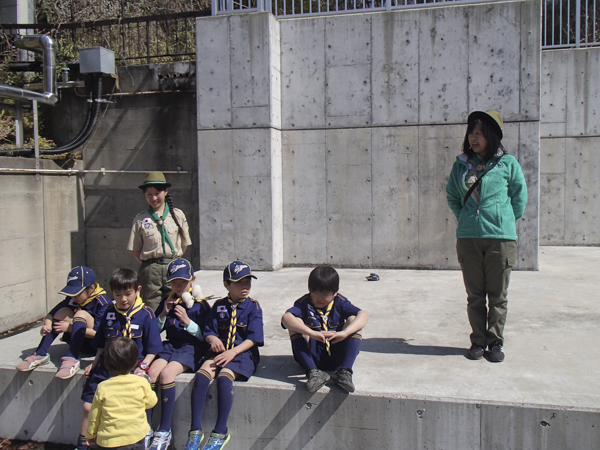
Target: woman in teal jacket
[486,242]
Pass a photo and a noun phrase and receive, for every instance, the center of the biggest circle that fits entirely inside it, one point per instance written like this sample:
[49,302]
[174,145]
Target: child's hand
[88,370]
[216,345]
[91,442]
[168,306]
[181,314]
[61,326]
[318,336]
[45,330]
[338,336]
[222,359]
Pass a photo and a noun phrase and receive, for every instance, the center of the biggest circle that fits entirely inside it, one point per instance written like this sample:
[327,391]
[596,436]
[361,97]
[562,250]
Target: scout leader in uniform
[158,235]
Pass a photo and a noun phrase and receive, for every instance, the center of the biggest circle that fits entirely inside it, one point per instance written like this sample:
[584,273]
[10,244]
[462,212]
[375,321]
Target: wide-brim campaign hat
[180,269]
[236,271]
[492,118]
[79,278]
[154,179]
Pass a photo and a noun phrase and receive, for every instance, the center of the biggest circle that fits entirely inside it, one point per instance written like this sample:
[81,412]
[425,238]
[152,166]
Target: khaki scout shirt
[146,238]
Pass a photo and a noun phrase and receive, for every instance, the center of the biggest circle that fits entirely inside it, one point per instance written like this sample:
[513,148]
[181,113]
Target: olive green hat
[492,118]
[154,179]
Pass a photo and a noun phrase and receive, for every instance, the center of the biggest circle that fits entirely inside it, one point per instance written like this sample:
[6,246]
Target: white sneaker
[161,440]
[32,361]
[148,438]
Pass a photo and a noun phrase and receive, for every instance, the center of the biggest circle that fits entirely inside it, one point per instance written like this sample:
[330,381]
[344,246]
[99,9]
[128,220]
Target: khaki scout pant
[153,279]
[486,265]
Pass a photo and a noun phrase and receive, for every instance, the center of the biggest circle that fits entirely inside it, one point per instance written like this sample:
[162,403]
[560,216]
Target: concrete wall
[369,121]
[278,418]
[140,130]
[570,142]
[42,238]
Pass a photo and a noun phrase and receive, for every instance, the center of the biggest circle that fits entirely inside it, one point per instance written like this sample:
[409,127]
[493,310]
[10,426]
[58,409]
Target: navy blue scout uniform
[333,317]
[249,325]
[95,305]
[142,330]
[180,345]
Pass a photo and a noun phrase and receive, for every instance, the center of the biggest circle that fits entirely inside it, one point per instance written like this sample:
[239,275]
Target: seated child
[118,414]
[77,317]
[324,329]
[128,317]
[183,315]
[234,331]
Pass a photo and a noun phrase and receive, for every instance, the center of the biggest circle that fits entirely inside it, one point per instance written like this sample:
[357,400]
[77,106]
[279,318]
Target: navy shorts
[242,365]
[97,376]
[322,359]
[189,355]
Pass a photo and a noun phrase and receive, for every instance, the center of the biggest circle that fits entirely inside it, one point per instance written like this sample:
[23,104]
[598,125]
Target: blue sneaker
[194,440]
[217,441]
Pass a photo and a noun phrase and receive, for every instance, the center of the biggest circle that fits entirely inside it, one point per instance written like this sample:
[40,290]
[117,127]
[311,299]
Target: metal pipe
[83,171]
[40,44]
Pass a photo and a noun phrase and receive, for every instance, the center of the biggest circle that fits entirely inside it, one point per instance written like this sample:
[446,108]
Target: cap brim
[178,278]
[70,291]
[238,279]
[157,183]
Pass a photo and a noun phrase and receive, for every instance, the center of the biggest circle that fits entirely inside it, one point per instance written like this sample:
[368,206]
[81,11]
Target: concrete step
[415,388]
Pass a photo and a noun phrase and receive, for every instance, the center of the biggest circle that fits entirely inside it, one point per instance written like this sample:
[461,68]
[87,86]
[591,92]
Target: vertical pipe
[19,141]
[36,138]
[577,23]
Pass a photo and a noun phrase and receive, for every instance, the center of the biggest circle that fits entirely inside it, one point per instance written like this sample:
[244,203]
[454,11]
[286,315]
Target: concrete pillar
[239,141]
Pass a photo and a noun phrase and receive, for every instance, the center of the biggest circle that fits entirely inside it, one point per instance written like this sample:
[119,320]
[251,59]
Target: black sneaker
[316,379]
[495,353]
[343,377]
[475,352]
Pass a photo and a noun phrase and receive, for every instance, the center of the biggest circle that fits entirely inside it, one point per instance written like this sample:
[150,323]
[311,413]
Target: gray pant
[486,265]
[153,279]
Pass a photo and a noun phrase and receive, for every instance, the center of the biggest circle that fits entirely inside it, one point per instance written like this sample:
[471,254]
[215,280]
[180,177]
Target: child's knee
[87,407]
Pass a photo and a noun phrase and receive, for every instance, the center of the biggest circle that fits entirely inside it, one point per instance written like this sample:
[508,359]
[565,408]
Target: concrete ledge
[415,389]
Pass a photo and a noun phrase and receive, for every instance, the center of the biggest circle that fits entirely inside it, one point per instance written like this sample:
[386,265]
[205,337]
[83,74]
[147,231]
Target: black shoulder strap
[474,185]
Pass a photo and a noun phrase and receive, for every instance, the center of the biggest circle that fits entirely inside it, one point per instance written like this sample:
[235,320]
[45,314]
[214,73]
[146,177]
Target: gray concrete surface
[315,132]
[415,389]
[570,138]
[42,233]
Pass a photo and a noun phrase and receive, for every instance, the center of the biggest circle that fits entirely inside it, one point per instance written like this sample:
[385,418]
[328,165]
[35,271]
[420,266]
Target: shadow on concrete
[312,425]
[12,390]
[399,345]
[280,368]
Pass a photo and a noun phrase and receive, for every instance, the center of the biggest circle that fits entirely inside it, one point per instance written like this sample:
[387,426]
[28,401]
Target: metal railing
[565,23]
[302,8]
[134,40]
[570,23]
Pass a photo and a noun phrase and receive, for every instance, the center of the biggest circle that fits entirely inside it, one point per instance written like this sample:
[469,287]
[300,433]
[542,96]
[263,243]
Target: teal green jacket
[501,203]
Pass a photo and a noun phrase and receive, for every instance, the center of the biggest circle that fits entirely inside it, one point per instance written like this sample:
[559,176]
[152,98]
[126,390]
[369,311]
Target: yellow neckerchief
[324,316]
[139,304]
[233,323]
[178,301]
[98,291]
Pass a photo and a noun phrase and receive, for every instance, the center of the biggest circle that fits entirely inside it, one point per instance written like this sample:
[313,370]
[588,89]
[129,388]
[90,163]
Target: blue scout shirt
[249,324]
[144,330]
[176,332]
[341,310]
[96,308]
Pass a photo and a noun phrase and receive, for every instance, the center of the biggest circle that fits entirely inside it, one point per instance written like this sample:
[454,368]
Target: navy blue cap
[180,268]
[236,271]
[79,278]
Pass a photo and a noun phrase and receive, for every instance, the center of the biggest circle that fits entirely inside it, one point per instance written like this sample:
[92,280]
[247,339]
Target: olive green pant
[486,265]
[153,279]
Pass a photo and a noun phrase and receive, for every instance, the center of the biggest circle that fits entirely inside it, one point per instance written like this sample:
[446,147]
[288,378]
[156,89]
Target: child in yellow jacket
[118,416]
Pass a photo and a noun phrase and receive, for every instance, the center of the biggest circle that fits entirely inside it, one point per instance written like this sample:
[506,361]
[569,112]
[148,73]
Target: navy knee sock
[201,383]
[149,411]
[167,395]
[224,401]
[352,349]
[77,336]
[45,344]
[301,352]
